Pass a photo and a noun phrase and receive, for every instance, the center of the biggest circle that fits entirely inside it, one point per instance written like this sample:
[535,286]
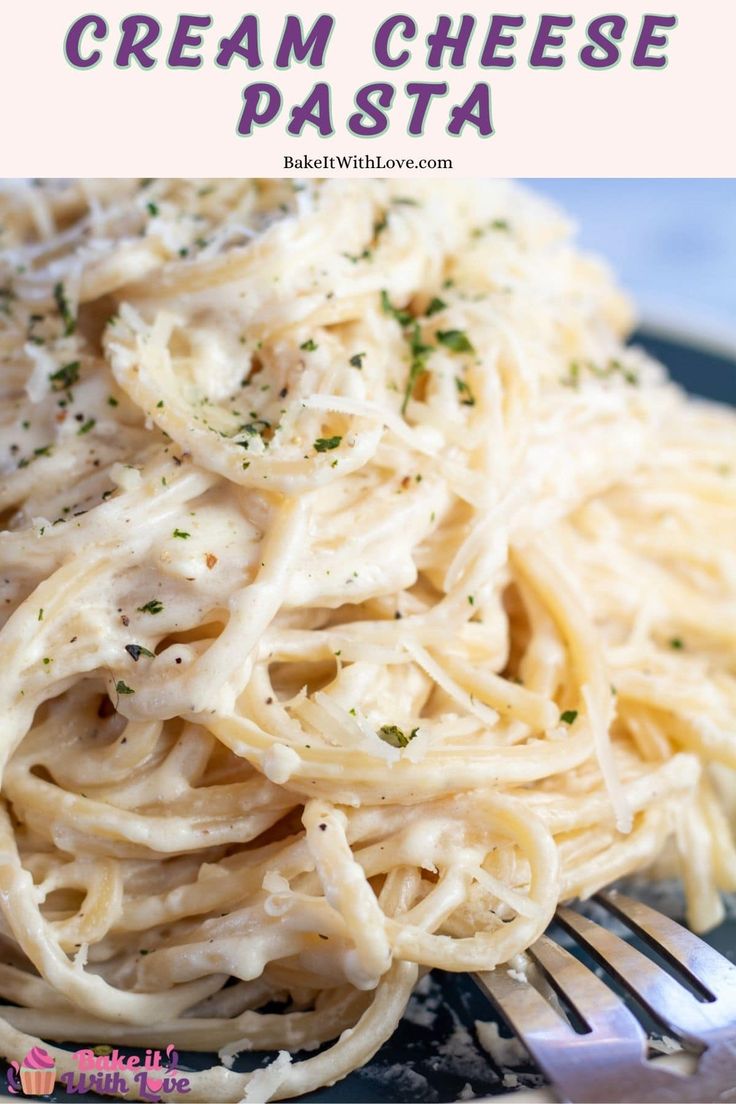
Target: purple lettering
[145,1091]
[183,39]
[252,114]
[315,110]
[475,110]
[440,40]
[73,41]
[539,58]
[315,44]
[382,41]
[489,59]
[243,42]
[371,111]
[648,37]
[72,1085]
[133,47]
[599,41]
[424,94]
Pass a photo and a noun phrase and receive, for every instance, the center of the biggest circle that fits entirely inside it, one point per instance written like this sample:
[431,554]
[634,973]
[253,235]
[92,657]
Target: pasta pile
[363,595]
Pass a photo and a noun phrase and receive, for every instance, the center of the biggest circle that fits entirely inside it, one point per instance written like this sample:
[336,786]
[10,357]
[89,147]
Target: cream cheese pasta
[363,595]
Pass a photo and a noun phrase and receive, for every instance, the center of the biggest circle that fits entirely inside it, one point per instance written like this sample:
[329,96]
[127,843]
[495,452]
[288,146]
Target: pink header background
[57,121]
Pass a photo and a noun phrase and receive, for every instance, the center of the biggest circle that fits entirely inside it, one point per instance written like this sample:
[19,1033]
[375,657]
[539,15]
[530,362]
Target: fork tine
[543,1032]
[525,1009]
[604,1065]
[707,970]
[665,998]
[596,1004]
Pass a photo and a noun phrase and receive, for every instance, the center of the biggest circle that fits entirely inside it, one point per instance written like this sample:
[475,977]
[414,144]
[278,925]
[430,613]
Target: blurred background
[672,244]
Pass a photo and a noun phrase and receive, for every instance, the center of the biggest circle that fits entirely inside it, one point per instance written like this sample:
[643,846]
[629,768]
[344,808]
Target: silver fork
[607,1062]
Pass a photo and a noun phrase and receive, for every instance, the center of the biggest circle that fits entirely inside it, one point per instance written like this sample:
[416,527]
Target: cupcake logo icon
[37,1073]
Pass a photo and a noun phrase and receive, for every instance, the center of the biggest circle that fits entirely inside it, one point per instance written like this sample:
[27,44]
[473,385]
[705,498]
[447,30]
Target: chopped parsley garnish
[86,427]
[254,429]
[435,306]
[403,317]
[568,716]
[62,304]
[572,379]
[154,606]
[65,377]
[356,361]
[612,368]
[309,345]
[366,255]
[325,444]
[159,404]
[392,734]
[417,365]
[135,651]
[181,534]
[380,225]
[455,340]
[468,398]
[419,351]
[123,688]
[496,224]
[112,401]
[152,209]
[676,643]
[40,614]
[43,450]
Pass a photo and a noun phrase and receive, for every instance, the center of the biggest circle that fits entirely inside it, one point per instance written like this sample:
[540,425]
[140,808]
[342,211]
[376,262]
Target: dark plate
[434,1054]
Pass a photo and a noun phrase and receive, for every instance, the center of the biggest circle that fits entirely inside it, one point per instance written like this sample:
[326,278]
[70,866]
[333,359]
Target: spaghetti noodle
[363,595]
